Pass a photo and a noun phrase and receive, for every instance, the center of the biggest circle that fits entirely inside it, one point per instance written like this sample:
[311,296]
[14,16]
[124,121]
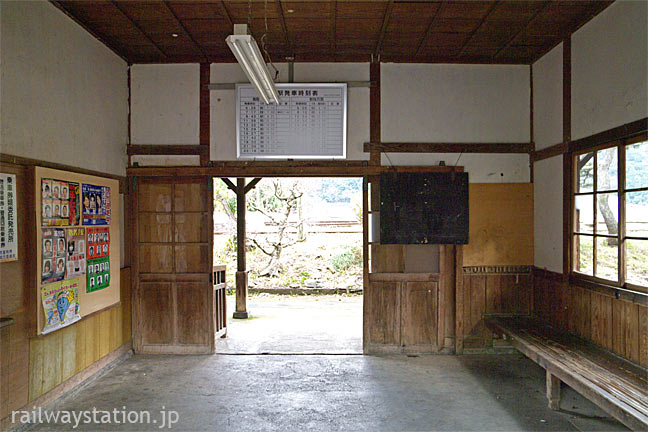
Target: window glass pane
[637,214]
[637,262]
[607,258]
[585,170]
[637,165]
[584,214]
[584,254]
[607,169]
[607,213]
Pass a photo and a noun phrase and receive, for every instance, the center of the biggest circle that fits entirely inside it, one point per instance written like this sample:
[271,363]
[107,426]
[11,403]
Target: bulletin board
[79,215]
[501,225]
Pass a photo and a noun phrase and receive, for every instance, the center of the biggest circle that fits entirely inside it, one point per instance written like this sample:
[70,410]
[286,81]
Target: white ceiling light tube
[249,56]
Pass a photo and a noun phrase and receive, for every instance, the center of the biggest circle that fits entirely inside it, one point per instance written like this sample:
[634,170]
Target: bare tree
[274,244]
[603,174]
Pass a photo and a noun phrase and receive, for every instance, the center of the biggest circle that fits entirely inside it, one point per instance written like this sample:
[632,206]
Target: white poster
[8,221]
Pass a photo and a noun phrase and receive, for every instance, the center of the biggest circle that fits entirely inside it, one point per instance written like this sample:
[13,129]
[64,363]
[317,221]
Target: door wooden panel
[193,309]
[191,258]
[155,227]
[384,313]
[155,258]
[157,328]
[419,317]
[174,294]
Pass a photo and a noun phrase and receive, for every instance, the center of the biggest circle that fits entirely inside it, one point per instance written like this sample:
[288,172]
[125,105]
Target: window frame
[621,191]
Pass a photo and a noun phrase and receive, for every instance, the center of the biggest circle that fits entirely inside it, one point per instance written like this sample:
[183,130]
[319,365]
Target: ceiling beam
[427,30]
[383,28]
[481,22]
[166,3]
[524,27]
[446,147]
[284,28]
[134,24]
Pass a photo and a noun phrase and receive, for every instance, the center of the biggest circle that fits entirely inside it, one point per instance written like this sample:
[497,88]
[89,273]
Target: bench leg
[553,391]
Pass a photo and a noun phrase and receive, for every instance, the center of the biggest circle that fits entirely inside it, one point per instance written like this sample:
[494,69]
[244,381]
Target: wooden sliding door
[173,301]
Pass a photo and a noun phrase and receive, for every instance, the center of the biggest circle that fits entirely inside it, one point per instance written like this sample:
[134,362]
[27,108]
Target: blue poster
[96,205]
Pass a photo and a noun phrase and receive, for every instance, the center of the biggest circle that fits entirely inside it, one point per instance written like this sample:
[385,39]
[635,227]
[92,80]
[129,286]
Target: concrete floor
[282,324]
[328,392]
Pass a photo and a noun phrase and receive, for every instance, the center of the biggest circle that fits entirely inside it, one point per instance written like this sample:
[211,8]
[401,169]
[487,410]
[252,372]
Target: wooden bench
[617,386]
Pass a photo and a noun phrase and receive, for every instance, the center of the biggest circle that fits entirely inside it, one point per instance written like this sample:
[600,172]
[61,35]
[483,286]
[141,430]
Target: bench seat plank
[617,386]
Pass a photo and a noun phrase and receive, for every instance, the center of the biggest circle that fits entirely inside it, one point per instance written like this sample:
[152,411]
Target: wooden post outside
[553,391]
[241,273]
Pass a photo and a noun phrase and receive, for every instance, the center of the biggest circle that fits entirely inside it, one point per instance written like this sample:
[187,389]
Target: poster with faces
[76,252]
[98,275]
[53,253]
[98,242]
[59,203]
[96,205]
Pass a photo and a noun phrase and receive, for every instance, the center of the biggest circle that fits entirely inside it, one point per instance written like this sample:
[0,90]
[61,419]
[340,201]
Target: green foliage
[339,189]
[346,257]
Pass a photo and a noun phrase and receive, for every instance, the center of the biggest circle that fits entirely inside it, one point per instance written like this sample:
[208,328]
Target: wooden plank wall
[617,325]
[489,292]
[58,356]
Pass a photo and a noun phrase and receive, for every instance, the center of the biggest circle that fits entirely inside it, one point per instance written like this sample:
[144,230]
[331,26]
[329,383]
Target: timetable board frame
[295,143]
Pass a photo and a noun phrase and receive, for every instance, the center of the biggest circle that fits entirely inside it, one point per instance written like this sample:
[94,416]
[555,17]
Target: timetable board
[309,122]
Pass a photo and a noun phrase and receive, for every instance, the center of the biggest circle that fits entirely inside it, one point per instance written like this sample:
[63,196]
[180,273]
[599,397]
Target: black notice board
[424,208]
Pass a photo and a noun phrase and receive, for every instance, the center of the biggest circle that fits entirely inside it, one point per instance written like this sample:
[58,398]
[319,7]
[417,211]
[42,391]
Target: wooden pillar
[204,113]
[567,160]
[553,391]
[374,110]
[241,272]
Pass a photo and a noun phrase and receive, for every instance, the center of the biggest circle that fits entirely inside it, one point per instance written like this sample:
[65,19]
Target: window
[610,214]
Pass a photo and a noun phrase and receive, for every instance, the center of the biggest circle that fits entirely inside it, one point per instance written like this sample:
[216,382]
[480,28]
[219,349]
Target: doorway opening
[303,260]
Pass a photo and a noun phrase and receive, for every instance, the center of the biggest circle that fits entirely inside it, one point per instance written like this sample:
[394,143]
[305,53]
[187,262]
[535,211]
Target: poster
[59,203]
[98,274]
[98,243]
[96,205]
[8,227]
[60,304]
[76,252]
[53,255]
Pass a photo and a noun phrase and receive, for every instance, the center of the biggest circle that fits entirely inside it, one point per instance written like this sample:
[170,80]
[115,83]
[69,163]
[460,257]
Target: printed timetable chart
[309,122]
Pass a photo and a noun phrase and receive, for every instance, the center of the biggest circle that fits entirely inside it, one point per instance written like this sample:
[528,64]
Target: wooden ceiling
[513,32]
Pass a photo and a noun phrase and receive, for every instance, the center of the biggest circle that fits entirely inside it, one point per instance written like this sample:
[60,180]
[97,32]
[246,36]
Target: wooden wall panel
[614,324]
[154,258]
[191,258]
[14,339]
[185,227]
[56,357]
[189,197]
[387,258]
[491,293]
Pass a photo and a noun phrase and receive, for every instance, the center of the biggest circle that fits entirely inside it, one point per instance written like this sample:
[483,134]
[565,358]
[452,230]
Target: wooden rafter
[383,28]
[227,15]
[166,150]
[186,30]
[138,27]
[477,27]
[284,28]
[524,27]
[428,29]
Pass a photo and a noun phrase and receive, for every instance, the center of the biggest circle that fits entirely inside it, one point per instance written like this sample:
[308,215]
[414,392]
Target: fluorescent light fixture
[247,53]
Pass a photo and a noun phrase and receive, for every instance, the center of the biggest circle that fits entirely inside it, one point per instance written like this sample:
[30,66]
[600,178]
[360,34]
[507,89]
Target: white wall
[64,95]
[609,69]
[609,74]
[458,103]
[547,174]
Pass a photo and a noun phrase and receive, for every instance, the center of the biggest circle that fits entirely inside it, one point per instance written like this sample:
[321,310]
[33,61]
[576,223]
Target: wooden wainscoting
[490,290]
[618,325]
